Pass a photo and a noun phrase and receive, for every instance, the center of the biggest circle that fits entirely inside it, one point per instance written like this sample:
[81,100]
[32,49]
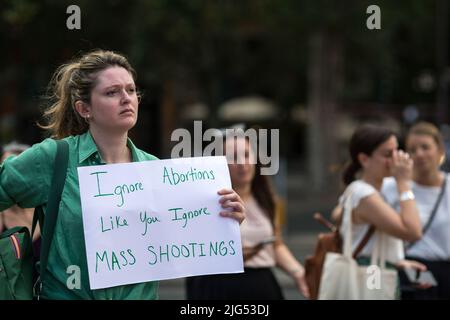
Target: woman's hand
[411,264]
[402,166]
[300,282]
[230,199]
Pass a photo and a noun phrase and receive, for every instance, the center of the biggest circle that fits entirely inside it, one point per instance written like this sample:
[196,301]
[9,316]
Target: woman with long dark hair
[263,247]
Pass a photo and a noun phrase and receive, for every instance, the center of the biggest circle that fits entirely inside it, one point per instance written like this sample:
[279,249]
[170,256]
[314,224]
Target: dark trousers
[253,284]
[440,271]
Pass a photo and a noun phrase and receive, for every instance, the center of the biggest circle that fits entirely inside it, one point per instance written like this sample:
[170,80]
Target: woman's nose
[125,97]
[417,153]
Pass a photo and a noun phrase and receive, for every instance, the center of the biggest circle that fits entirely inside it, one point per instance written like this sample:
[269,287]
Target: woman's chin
[128,124]
[122,126]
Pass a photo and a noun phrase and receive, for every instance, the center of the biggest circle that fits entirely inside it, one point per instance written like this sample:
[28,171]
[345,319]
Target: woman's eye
[111,93]
[132,90]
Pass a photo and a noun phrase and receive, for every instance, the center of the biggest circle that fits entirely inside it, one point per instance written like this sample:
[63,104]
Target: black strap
[54,198]
[364,241]
[433,212]
[37,216]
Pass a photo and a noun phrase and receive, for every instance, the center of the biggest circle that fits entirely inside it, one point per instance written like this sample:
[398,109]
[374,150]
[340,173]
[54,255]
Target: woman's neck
[432,178]
[245,191]
[376,182]
[112,148]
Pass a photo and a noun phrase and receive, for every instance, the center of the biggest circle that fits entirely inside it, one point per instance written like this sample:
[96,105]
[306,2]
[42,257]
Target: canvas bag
[327,242]
[343,279]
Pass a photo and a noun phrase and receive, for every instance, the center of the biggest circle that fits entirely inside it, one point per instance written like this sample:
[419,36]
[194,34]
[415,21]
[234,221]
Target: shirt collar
[87,148]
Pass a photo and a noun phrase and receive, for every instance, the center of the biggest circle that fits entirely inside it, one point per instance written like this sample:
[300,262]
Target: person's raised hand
[402,166]
[230,200]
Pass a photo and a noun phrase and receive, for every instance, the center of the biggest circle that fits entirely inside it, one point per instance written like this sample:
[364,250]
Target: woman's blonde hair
[428,129]
[73,82]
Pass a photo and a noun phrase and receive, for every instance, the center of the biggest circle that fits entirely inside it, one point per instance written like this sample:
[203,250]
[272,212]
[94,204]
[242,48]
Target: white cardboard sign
[156,220]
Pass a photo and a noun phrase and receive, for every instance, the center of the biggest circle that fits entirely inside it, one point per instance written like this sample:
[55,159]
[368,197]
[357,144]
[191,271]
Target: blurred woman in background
[263,247]
[430,186]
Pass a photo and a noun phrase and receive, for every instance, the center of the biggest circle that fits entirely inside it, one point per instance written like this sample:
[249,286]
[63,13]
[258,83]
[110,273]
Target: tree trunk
[325,80]
[442,61]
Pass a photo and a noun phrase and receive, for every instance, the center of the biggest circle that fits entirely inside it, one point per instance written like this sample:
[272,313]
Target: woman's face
[114,101]
[241,161]
[380,162]
[425,153]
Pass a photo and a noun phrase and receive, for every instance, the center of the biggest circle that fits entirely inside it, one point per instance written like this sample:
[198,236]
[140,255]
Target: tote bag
[342,277]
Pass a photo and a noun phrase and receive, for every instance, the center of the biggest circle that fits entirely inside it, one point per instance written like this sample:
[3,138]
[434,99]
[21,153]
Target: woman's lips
[128,111]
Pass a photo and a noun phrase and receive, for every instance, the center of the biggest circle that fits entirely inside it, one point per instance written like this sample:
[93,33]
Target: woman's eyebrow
[118,85]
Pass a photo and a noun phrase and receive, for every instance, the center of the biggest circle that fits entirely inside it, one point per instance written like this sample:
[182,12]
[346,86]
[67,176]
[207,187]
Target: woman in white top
[374,156]
[263,247]
[426,145]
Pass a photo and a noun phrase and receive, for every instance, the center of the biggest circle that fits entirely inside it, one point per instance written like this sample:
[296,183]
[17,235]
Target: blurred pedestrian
[263,246]
[431,188]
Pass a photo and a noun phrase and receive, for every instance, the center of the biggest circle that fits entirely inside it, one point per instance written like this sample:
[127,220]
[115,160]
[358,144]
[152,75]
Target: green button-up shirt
[25,180]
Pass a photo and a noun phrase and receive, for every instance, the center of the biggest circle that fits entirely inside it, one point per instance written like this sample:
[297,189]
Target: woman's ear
[363,159]
[442,158]
[83,109]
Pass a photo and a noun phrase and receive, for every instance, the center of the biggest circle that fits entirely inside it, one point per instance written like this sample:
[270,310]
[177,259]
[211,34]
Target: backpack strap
[364,241]
[54,198]
[38,216]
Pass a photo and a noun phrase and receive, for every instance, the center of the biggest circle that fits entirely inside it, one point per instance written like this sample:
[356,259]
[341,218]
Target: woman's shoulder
[145,156]
[45,149]
[357,190]
[360,187]
[139,154]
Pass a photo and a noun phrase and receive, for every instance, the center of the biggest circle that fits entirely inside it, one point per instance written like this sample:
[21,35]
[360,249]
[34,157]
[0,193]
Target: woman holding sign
[94,105]
[263,247]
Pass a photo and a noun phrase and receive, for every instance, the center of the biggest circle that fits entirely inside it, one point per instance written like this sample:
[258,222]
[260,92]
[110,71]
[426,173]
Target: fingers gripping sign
[230,200]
